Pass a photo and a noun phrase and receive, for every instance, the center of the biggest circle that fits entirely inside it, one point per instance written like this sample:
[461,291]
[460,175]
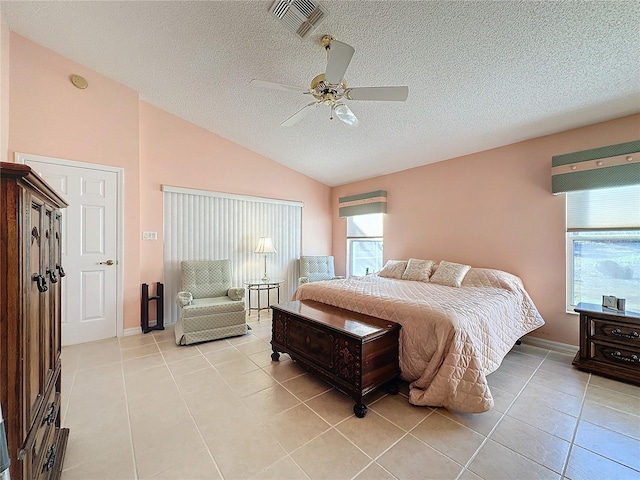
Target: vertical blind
[203,225]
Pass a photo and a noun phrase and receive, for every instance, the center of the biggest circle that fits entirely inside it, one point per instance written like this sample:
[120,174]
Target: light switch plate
[149,235]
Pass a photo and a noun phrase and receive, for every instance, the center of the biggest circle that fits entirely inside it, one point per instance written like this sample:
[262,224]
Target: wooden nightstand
[609,342]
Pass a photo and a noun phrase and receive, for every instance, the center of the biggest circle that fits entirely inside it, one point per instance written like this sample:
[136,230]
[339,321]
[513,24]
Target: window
[603,246]
[364,244]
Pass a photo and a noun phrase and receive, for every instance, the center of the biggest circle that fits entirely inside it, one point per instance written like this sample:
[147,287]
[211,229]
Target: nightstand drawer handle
[618,333]
[623,358]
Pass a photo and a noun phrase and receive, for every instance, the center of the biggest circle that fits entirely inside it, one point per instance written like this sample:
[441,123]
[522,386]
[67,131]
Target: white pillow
[393,269]
[418,270]
[450,274]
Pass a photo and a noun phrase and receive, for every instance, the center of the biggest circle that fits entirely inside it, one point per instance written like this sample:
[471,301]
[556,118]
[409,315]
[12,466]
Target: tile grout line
[189,410]
[504,414]
[575,429]
[279,383]
[73,381]
[330,426]
[126,399]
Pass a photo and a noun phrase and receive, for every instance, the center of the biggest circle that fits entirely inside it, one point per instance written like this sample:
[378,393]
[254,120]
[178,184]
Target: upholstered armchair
[315,268]
[210,308]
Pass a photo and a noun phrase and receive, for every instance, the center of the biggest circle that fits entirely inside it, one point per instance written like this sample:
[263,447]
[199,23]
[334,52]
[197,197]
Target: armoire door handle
[41,282]
[52,275]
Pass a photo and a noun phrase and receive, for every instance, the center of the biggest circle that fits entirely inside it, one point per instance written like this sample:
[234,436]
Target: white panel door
[89,249]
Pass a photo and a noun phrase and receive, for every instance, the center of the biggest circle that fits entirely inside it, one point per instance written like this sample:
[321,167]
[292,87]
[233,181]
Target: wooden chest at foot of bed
[356,353]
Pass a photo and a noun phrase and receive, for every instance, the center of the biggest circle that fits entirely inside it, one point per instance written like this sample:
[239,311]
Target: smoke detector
[300,16]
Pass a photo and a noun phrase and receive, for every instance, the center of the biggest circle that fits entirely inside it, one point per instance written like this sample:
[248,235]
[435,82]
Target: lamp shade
[265,245]
[345,114]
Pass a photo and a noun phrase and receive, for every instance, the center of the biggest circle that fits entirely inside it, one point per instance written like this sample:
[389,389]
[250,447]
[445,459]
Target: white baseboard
[131,331]
[138,330]
[550,345]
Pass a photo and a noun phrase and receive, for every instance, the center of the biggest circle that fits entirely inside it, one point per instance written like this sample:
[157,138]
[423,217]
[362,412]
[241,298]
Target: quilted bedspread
[451,338]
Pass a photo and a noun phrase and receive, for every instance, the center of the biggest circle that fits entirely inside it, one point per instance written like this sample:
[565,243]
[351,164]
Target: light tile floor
[140,407]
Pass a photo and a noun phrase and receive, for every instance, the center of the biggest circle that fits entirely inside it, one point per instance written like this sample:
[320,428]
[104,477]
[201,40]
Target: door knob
[108,262]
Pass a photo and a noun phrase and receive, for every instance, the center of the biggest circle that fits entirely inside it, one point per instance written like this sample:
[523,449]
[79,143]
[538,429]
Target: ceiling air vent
[301,16]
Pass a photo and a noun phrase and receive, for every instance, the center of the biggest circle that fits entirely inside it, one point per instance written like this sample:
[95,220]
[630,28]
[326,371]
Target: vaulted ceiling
[480,74]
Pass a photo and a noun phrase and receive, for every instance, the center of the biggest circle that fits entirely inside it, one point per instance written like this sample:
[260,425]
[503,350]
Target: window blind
[203,225]
[604,209]
[365,225]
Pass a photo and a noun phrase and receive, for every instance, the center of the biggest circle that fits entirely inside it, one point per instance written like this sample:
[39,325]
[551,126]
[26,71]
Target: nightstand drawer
[616,355]
[623,334]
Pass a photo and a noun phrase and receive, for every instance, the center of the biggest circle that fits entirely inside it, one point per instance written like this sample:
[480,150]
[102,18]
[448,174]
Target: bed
[451,337]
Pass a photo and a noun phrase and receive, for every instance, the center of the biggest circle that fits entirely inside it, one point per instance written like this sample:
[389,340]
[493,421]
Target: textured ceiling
[480,74]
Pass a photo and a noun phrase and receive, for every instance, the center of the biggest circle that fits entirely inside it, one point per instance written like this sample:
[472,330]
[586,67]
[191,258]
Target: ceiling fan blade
[300,114]
[392,94]
[278,86]
[345,115]
[339,58]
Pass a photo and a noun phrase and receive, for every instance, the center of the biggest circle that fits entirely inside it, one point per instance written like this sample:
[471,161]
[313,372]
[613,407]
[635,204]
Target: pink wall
[177,153]
[4,87]
[51,117]
[490,209]
[108,124]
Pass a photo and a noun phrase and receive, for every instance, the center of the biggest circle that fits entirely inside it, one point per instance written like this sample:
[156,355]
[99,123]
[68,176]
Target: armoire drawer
[39,437]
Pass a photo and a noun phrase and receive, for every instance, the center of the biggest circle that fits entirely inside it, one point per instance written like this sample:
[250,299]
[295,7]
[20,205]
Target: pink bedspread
[451,338]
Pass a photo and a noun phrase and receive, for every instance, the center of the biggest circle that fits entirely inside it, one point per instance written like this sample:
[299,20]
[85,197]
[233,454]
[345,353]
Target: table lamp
[265,246]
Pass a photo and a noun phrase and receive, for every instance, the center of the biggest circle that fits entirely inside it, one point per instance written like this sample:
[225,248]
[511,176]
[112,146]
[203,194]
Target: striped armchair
[210,307]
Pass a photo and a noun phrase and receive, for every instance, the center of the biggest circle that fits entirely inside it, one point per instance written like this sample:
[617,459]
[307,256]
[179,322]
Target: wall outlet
[149,235]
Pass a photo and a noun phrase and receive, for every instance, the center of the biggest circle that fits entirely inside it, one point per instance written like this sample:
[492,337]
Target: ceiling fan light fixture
[345,115]
[330,88]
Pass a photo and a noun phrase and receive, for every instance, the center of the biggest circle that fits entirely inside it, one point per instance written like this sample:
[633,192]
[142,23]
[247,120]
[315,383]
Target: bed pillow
[450,274]
[393,269]
[418,270]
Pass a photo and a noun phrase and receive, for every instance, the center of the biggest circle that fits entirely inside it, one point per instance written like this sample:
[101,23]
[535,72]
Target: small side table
[259,286]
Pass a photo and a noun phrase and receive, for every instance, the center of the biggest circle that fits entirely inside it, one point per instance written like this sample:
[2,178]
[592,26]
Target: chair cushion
[318,267]
[210,306]
[206,279]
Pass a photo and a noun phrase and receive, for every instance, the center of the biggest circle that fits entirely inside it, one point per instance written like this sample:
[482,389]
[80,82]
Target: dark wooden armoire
[31,278]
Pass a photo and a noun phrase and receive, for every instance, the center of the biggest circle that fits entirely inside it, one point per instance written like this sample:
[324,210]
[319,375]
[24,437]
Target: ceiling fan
[330,88]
